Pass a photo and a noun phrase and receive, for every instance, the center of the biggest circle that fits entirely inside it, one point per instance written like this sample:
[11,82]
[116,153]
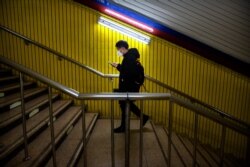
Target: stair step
[215,156]
[8,79]
[31,107]
[185,150]
[40,146]
[15,136]
[73,140]
[231,161]
[200,160]
[14,100]
[205,155]
[5,72]
[214,161]
[14,87]
[178,158]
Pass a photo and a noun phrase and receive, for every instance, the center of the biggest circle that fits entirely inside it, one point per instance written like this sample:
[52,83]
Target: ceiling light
[129,20]
[124,30]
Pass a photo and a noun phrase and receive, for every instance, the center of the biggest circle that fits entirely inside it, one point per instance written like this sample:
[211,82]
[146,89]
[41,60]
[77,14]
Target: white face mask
[119,53]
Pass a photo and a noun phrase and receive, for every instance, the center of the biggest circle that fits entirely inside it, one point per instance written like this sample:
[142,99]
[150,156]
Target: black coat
[127,69]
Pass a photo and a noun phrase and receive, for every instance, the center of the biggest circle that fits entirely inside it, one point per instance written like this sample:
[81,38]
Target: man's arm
[116,65]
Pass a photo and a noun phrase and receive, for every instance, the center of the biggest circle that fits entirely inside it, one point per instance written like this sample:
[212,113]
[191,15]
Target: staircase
[68,134]
[153,146]
[67,124]
[182,151]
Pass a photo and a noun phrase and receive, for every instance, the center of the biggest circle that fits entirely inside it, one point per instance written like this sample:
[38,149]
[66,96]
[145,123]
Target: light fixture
[129,20]
[124,30]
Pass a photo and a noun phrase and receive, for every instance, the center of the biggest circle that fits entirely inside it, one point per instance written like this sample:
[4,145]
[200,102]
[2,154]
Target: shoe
[145,119]
[120,129]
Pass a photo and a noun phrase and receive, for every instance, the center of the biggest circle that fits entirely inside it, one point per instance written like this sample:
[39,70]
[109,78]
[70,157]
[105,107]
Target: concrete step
[8,79]
[183,146]
[14,100]
[213,160]
[14,87]
[69,147]
[179,156]
[214,154]
[40,146]
[32,107]
[200,159]
[5,72]
[13,140]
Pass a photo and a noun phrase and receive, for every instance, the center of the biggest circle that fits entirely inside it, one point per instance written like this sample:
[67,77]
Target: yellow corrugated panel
[72,29]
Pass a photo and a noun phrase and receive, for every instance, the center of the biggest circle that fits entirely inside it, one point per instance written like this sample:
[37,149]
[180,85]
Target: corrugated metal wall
[72,30]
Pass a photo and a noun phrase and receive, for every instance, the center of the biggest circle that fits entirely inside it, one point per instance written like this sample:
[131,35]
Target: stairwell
[68,134]
[67,124]
[99,148]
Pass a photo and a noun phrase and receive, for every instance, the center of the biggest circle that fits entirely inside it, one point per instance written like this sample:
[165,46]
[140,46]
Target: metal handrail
[121,96]
[83,96]
[62,56]
[194,100]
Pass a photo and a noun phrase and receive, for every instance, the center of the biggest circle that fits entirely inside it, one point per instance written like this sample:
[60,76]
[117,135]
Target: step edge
[47,150]
[175,148]
[16,86]
[31,132]
[19,115]
[8,78]
[25,97]
[75,157]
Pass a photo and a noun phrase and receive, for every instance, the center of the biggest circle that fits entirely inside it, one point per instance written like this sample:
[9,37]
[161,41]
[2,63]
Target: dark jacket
[127,71]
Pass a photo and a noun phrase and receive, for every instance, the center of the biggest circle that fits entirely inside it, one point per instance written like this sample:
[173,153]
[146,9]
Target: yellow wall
[72,29]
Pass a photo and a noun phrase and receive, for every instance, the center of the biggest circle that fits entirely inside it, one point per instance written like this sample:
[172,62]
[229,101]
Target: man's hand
[113,64]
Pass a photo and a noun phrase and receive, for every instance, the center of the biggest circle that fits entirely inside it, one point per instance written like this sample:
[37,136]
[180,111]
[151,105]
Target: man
[127,80]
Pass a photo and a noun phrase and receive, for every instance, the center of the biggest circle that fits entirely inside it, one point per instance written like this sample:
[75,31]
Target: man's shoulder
[134,52]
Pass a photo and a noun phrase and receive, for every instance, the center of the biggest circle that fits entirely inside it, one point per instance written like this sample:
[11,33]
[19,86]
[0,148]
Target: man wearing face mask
[127,79]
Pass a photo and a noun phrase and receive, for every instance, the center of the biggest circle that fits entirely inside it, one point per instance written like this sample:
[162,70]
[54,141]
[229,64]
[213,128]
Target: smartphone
[113,64]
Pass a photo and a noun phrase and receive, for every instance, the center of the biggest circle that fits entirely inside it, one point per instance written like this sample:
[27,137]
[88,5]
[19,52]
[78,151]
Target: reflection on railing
[198,111]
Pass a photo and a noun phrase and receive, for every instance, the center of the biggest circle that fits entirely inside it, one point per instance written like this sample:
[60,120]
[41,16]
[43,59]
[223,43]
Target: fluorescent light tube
[124,30]
[129,20]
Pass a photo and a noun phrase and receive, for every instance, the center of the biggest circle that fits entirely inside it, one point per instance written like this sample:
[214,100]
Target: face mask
[119,53]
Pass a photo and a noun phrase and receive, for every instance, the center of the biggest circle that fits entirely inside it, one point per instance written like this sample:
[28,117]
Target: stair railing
[225,123]
[111,76]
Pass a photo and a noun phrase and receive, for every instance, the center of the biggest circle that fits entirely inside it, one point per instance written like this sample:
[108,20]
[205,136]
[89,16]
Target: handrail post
[170,120]
[222,145]
[195,138]
[112,83]
[84,154]
[112,134]
[52,127]
[127,137]
[248,152]
[26,152]
[141,134]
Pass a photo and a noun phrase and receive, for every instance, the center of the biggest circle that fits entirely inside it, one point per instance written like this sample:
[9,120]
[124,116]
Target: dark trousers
[133,108]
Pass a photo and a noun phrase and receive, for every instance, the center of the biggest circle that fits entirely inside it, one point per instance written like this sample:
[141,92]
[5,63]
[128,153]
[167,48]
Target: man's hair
[121,44]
